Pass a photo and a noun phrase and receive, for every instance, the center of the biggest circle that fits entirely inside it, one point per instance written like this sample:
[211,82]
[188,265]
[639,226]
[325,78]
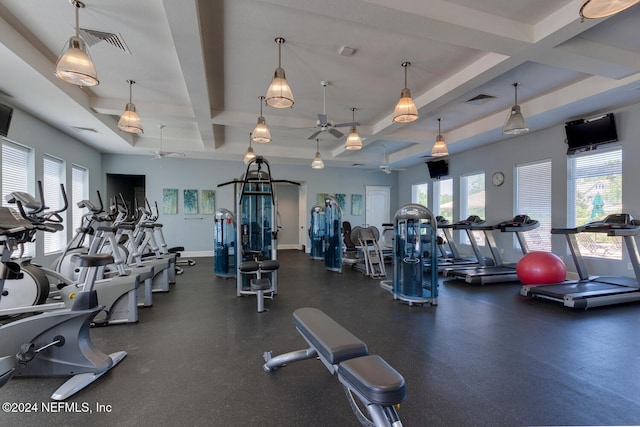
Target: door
[377,205]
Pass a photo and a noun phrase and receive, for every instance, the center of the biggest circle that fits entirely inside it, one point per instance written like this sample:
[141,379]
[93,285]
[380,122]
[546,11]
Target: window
[79,191]
[53,177]
[15,177]
[533,198]
[472,201]
[420,194]
[595,191]
[443,192]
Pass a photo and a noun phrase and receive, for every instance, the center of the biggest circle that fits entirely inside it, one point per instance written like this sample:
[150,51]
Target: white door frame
[380,189]
[302,218]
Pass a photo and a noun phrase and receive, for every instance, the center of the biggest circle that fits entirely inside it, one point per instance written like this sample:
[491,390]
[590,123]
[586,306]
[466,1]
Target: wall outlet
[629,266]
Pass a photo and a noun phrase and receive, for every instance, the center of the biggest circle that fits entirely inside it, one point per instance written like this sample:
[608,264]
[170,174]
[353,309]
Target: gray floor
[483,357]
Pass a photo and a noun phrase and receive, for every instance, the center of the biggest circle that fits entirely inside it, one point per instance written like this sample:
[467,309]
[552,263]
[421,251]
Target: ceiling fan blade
[322,118]
[344,125]
[315,134]
[336,133]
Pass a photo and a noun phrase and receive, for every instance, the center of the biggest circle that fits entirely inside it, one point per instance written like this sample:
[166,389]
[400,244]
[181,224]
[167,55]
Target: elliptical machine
[48,339]
[116,294]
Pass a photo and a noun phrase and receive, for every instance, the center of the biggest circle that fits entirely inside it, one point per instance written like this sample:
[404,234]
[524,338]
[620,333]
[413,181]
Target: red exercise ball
[541,268]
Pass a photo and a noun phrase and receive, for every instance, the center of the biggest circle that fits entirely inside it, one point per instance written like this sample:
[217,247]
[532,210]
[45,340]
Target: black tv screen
[6,113]
[438,168]
[588,133]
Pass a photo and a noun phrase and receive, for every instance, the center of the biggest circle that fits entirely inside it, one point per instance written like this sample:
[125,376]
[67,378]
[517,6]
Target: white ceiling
[200,66]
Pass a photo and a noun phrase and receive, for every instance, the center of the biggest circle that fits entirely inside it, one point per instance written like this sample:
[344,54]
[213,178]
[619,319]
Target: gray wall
[545,144]
[195,232]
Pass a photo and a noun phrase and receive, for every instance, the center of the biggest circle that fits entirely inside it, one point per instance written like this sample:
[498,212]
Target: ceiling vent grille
[93,37]
[81,129]
[479,99]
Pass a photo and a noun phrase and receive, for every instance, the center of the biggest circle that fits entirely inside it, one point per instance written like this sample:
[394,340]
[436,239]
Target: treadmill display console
[621,220]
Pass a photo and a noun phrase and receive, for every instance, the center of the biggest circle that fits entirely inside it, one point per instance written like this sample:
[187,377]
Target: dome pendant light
[130,121]
[74,65]
[440,147]
[261,132]
[250,155]
[279,94]
[354,142]
[515,124]
[317,162]
[593,9]
[405,110]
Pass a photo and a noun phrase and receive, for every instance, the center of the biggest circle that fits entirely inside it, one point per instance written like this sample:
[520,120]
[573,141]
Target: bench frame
[343,353]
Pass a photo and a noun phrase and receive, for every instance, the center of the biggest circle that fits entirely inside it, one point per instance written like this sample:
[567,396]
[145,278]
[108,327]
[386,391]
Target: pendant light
[353,139]
[592,9]
[130,121]
[440,147]
[250,155]
[279,94]
[317,162]
[74,65]
[515,124]
[405,110]
[261,132]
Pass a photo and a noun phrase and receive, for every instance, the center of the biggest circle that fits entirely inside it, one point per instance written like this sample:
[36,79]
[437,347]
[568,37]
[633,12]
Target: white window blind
[420,194]
[443,190]
[472,201]
[79,191]
[595,191]
[533,198]
[53,176]
[15,177]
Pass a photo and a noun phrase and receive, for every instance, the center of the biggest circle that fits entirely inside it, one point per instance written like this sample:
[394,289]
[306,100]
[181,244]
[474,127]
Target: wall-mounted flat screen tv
[438,168]
[589,133]
[6,113]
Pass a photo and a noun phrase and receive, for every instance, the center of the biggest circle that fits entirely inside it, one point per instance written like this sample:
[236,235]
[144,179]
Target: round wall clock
[497,179]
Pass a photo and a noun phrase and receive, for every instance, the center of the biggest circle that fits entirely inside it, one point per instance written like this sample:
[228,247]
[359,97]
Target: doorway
[132,188]
[378,205]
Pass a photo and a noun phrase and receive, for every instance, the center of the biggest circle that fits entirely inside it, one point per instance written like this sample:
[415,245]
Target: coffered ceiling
[200,67]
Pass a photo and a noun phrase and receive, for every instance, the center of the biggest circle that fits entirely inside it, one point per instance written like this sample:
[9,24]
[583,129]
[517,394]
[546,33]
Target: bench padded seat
[332,342]
[269,265]
[249,267]
[374,379]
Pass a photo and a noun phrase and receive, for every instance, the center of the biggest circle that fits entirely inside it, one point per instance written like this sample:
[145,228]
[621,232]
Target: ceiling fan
[160,154]
[385,167]
[323,125]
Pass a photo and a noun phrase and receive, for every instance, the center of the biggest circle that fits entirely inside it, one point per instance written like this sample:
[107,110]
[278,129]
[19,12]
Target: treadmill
[453,259]
[597,290]
[499,272]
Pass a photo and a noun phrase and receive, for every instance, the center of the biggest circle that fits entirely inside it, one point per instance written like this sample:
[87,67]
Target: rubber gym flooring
[483,357]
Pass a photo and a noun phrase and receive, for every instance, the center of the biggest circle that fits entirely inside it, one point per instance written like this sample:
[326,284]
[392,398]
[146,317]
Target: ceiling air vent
[479,99]
[81,129]
[92,37]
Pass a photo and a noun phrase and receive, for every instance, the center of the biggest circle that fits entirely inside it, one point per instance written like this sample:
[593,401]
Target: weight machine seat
[268,265]
[176,249]
[332,342]
[96,260]
[260,284]
[374,379]
[249,267]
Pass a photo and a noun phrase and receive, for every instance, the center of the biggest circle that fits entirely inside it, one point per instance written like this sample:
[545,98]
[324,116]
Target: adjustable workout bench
[377,385]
